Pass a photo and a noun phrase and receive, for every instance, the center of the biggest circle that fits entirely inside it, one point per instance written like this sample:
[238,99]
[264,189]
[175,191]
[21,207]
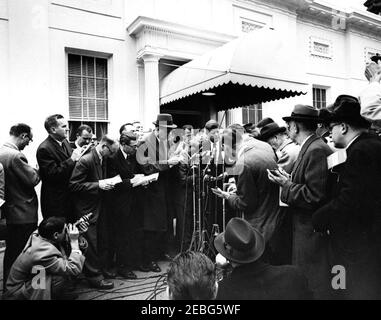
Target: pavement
[148,286]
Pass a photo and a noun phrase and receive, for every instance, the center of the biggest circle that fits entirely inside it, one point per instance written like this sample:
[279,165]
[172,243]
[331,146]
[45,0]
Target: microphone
[218,178]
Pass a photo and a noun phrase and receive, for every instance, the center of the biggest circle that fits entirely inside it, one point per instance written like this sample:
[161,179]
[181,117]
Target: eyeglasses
[29,137]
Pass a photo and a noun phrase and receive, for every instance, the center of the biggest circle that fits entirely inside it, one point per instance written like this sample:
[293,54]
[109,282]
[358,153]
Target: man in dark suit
[56,160]
[21,203]
[252,279]
[123,202]
[83,137]
[152,155]
[88,187]
[353,215]
[306,190]
[256,198]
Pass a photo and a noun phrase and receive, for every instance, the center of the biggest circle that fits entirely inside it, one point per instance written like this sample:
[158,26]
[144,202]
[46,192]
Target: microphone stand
[199,208]
[223,200]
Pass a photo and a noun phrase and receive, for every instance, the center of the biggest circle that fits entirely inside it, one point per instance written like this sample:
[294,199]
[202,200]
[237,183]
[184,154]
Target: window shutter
[88,88]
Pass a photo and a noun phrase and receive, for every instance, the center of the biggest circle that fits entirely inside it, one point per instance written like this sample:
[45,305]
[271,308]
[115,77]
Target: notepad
[114,181]
[146,179]
[336,158]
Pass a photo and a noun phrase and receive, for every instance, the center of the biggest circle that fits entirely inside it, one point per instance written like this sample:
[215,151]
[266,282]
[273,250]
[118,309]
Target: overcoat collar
[306,145]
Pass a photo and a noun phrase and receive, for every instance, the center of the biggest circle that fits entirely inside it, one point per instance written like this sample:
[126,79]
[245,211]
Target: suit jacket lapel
[122,160]
[302,152]
[68,148]
[58,148]
[97,163]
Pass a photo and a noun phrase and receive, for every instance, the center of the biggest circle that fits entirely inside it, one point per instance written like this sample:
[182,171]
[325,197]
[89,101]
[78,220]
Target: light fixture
[208,94]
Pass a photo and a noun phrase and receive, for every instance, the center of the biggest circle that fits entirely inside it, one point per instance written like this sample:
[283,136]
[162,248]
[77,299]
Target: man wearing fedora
[353,215]
[253,279]
[286,150]
[152,155]
[304,191]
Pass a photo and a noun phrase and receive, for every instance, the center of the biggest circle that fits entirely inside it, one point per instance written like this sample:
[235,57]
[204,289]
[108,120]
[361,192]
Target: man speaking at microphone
[256,198]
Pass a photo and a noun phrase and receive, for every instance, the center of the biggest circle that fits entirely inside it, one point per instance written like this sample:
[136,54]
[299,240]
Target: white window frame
[92,54]
[326,89]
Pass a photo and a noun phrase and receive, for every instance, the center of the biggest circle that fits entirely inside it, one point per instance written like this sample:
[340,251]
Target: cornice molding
[317,11]
[286,7]
[142,23]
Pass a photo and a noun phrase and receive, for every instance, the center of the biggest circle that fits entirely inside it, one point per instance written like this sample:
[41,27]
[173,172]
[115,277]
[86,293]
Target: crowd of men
[304,199]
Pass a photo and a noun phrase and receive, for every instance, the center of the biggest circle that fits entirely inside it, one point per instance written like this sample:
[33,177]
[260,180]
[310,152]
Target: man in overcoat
[353,216]
[126,218]
[304,191]
[256,198]
[152,155]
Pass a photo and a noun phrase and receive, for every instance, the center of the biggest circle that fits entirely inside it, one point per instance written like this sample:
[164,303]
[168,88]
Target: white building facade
[102,62]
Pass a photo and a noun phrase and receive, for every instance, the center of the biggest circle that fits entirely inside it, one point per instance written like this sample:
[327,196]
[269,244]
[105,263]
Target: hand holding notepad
[142,180]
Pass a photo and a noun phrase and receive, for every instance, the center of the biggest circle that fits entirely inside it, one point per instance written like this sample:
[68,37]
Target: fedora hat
[240,242]
[303,112]
[211,124]
[348,109]
[270,130]
[165,120]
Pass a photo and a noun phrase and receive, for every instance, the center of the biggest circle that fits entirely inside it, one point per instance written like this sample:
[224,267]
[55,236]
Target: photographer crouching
[42,271]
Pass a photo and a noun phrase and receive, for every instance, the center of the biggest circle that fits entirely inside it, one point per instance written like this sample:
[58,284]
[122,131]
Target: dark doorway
[181,118]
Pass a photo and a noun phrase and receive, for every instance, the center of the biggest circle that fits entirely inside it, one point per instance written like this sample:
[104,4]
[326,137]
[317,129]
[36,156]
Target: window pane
[74,65]
[85,109]
[91,88]
[101,65]
[75,108]
[102,110]
[101,89]
[244,115]
[92,114]
[260,115]
[73,127]
[75,87]
[324,98]
[85,87]
[88,66]
[252,114]
[101,129]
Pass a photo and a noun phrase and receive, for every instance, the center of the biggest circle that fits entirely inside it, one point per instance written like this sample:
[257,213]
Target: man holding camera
[42,270]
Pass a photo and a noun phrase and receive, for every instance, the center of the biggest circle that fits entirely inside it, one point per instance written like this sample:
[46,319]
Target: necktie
[64,149]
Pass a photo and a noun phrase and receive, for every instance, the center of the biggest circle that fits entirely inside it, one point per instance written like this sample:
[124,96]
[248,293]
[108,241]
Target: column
[151,89]
[140,66]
